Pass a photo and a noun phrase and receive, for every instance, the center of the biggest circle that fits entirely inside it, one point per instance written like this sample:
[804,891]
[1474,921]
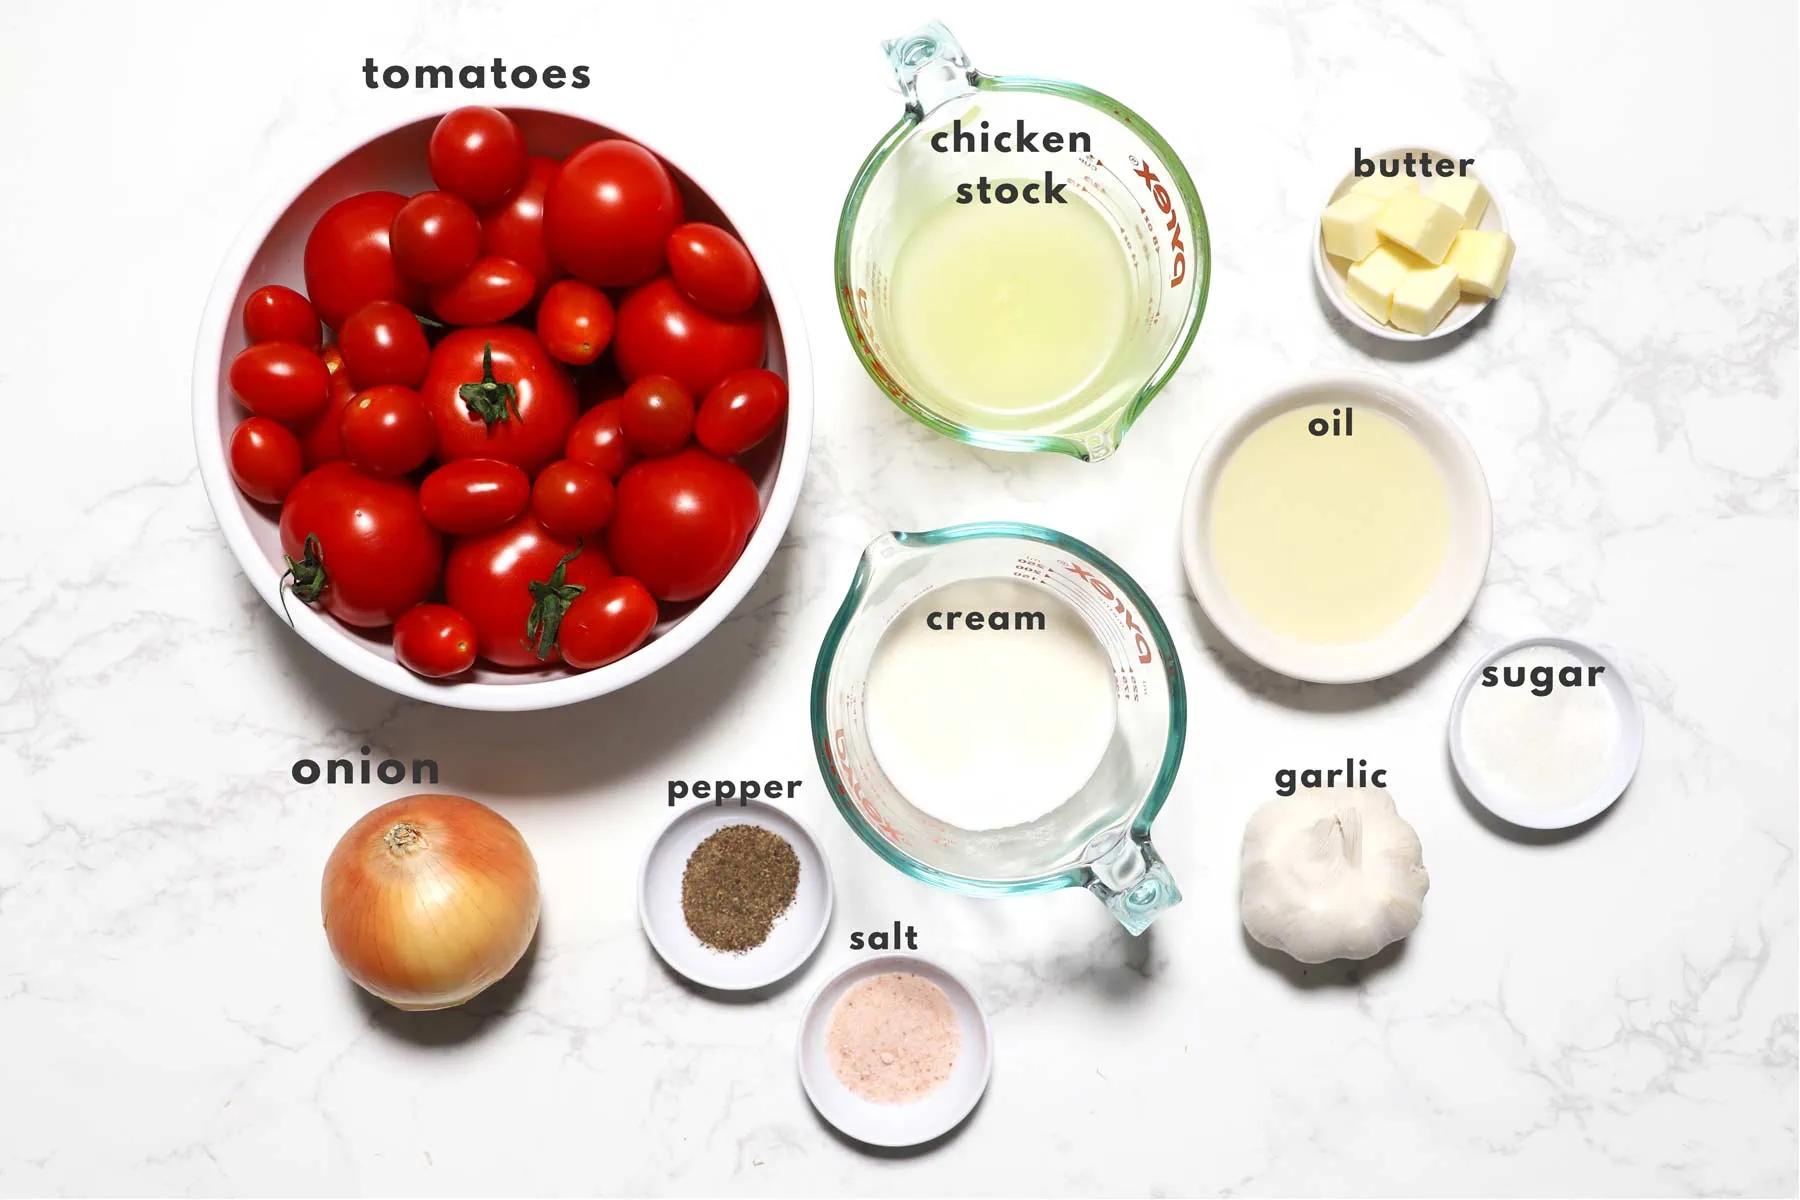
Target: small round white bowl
[893,1125]
[1438,612]
[1625,761]
[1333,273]
[797,932]
[269,251]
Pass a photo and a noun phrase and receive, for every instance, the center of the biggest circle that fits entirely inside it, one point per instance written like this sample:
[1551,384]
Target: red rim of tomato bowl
[268,250]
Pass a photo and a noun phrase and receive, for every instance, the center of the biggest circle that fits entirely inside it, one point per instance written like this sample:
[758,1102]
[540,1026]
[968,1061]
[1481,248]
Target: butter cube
[1423,297]
[1349,226]
[1420,224]
[1465,194]
[1383,189]
[1481,259]
[1372,280]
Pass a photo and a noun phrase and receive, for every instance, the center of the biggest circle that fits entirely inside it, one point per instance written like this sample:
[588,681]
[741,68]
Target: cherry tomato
[319,436]
[679,523]
[745,407]
[515,228]
[609,212]
[662,332]
[713,269]
[477,153]
[382,342]
[598,439]
[575,322]
[657,415]
[572,499]
[489,292]
[266,461]
[280,314]
[436,237]
[386,430]
[358,545]
[607,621]
[474,495]
[280,380]
[493,393]
[349,260]
[434,640]
[489,579]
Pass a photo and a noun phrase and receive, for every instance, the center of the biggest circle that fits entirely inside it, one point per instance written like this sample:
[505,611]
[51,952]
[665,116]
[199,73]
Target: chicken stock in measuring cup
[1021,263]
[999,709]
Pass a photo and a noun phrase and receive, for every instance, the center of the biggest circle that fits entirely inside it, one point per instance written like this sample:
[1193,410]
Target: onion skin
[429,899]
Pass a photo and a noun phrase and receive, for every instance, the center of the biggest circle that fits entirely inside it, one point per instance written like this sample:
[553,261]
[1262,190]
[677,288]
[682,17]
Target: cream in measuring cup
[1021,263]
[989,703]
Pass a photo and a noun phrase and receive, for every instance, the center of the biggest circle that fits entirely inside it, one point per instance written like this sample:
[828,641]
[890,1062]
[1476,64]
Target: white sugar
[1543,751]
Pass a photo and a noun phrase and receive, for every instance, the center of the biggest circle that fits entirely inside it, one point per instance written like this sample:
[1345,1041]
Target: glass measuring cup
[1128,175]
[1100,837]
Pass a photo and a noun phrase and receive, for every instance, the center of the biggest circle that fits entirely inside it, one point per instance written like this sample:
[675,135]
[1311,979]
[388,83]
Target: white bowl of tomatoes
[503,410]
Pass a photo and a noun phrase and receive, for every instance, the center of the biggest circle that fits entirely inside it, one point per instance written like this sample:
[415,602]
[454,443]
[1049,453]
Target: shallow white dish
[269,251]
[932,1115]
[1625,761]
[1441,609]
[1333,272]
[797,932]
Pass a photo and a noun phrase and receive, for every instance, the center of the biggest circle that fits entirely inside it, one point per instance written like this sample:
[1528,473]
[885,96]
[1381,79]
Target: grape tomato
[713,269]
[280,314]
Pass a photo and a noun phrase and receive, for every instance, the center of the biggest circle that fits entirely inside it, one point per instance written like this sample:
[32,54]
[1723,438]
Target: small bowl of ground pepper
[734,897]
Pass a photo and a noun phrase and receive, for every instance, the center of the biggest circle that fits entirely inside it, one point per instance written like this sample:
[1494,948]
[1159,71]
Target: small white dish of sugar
[1545,733]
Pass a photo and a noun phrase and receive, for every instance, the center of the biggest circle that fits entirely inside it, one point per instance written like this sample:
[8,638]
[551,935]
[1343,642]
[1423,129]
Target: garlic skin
[1331,873]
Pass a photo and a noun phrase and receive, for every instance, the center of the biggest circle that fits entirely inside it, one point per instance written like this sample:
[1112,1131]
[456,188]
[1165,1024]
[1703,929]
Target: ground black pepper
[737,882]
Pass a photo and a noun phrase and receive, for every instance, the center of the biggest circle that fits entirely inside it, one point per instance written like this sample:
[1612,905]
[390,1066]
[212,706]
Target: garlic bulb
[1331,873]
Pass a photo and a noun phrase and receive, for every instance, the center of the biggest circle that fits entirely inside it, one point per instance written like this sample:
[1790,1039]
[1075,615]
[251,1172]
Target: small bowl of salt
[1546,733]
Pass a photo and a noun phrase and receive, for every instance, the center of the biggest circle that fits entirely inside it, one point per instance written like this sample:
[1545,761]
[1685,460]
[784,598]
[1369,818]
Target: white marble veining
[1612,1013]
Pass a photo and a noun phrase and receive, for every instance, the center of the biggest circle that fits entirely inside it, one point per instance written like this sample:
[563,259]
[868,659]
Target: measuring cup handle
[1134,884]
[930,66]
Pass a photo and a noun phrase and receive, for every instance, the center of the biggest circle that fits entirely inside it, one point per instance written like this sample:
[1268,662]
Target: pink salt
[893,1038]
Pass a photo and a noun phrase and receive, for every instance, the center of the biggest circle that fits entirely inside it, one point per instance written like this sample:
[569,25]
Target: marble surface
[1611,1013]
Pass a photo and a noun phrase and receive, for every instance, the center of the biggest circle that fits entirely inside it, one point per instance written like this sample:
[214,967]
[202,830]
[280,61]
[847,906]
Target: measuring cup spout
[930,66]
[1134,883]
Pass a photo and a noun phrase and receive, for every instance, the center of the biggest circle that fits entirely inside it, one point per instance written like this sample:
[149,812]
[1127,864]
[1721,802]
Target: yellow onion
[429,899]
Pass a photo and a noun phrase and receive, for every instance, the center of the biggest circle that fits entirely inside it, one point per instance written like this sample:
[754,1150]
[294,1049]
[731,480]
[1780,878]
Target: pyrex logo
[1160,194]
[1130,619]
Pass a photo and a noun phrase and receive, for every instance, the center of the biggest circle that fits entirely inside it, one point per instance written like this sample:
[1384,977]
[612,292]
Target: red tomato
[488,293]
[319,436]
[490,580]
[746,407]
[494,393]
[349,261]
[386,430]
[266,461]
[575,322]
[607,621]
[382,342]
[280,380]
[609,212]
[436,237]
[515,229]
[598,439]
[657,415]
[662,332]
[679,523]
[477,153]
[572,499]
[358,545]
[280,314]
[474,495]
[713,269]
[434,640]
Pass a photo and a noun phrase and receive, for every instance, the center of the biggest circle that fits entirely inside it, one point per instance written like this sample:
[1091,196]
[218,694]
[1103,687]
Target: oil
[1006,316]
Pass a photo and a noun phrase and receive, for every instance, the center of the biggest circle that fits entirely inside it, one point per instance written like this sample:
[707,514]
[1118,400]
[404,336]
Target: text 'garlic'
[1331,873]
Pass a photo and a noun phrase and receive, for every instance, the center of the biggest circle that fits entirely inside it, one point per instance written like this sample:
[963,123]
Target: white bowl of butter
[1337,529]
[1428,265]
